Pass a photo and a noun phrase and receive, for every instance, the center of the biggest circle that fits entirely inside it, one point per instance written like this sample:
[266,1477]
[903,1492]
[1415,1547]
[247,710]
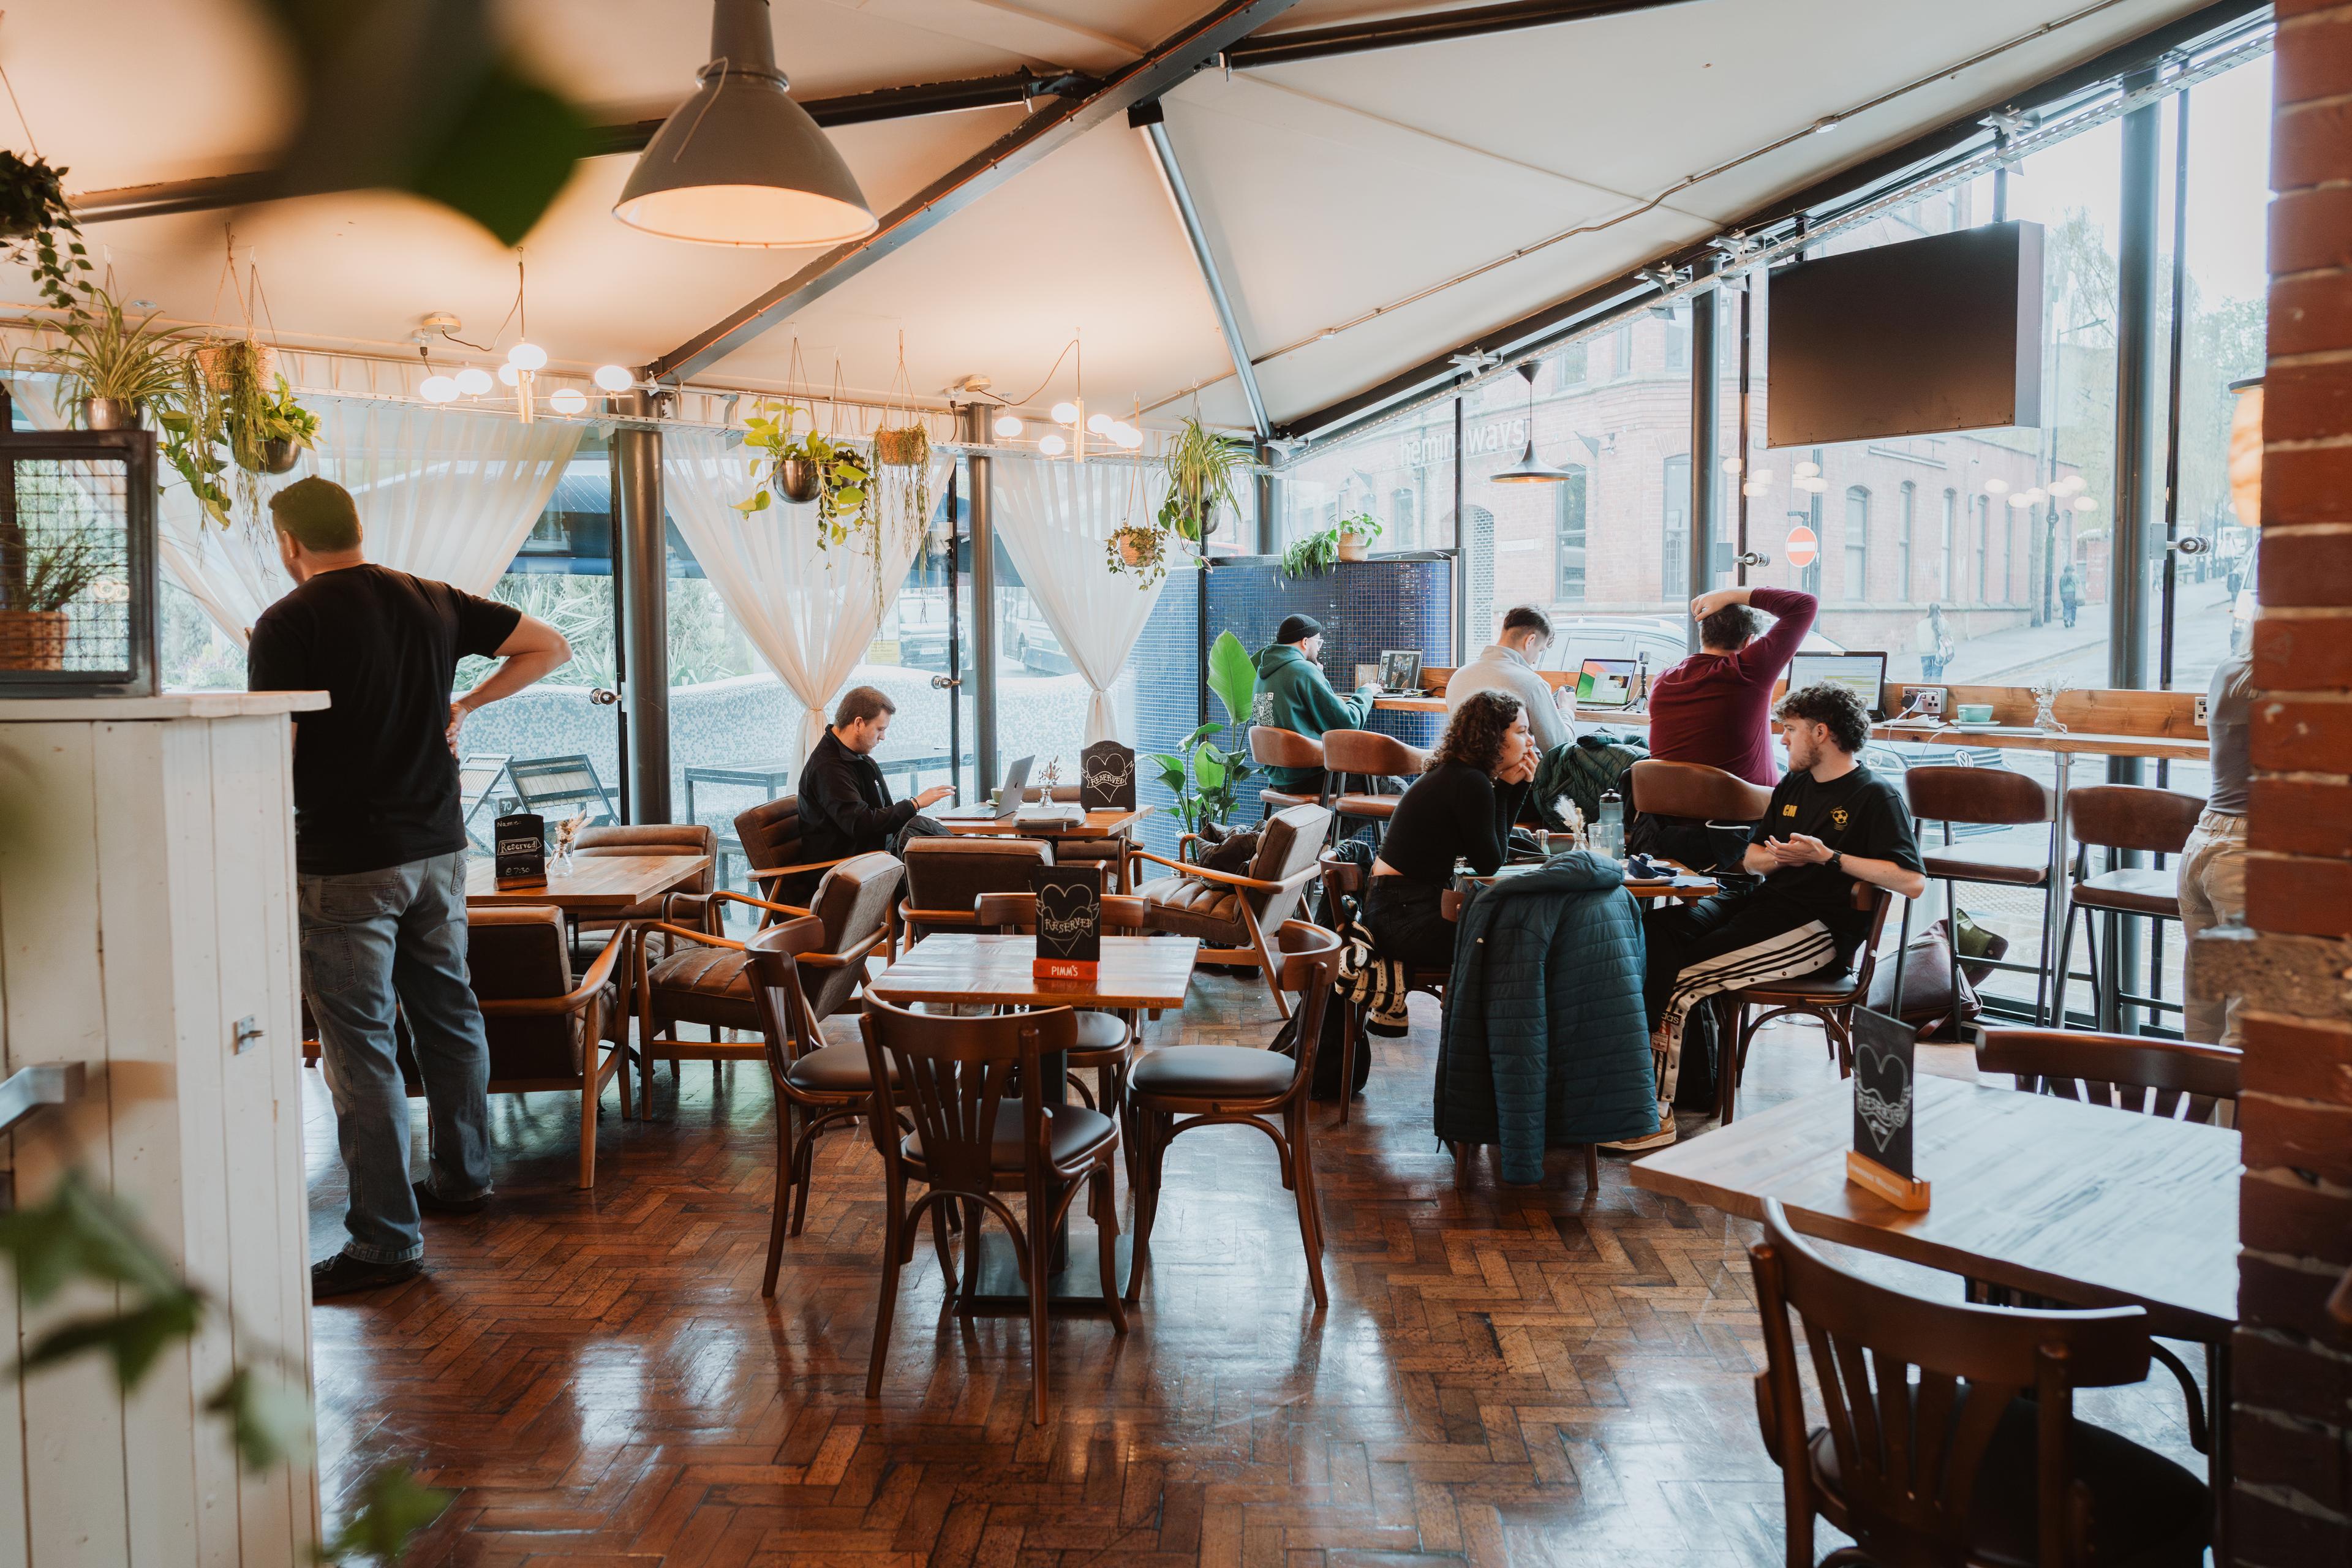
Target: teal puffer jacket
[1545,1042]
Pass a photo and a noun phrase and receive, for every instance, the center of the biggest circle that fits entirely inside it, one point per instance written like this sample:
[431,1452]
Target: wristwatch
[1836,862]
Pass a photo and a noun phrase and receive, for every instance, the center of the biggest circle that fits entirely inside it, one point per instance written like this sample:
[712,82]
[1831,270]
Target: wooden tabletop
[992,969]
[592,883]
[2082,1204]
[2025,738]
[1097,825]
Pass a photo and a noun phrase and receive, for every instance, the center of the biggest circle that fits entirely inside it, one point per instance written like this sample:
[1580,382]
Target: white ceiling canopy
[1365,211]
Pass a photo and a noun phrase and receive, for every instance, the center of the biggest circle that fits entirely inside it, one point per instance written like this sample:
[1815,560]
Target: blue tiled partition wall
[1167,666]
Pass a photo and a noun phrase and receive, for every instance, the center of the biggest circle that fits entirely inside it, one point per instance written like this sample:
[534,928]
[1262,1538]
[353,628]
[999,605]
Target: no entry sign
[1804,547]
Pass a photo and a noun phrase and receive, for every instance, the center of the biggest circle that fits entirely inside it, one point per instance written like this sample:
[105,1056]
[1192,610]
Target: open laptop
[1400,670]
[1607,683]
[1864,674]
[1008,801]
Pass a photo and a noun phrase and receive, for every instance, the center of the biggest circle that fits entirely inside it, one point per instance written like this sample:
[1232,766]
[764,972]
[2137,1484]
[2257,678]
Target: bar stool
[1368,756]
[1273,748]
[2119,817]
[1694,793]
[1992,798]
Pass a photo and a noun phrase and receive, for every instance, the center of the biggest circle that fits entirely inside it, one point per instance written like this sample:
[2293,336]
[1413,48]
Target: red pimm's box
[1063,969]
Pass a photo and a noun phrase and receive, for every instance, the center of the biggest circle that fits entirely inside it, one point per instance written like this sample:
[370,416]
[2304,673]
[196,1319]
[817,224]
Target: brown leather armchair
[1232,913]
[775,846]
[706,980]
[546,1031]
[1109,853]
[945,877]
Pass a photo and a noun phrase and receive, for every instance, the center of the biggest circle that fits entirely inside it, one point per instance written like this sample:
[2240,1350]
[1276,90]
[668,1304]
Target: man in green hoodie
[1292,693]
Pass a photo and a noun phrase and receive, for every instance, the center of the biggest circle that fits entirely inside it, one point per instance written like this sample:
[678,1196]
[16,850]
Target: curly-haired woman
[1461,809]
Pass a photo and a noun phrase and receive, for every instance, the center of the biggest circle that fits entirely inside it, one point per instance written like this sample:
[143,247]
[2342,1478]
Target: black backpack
[1327,1050]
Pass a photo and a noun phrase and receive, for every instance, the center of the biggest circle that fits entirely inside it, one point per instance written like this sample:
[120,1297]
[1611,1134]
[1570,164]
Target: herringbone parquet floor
[1541,1377]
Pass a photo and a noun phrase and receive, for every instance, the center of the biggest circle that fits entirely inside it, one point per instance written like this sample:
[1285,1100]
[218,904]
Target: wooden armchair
[706,979]
[947,877]
[1230,913]
[775,848]
[546,1031]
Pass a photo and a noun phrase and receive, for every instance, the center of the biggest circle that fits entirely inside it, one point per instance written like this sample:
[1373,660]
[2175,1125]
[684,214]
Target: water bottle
[1609,832]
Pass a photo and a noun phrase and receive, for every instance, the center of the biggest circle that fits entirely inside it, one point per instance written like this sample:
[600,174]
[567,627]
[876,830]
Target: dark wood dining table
[989,969]
[2076,1203]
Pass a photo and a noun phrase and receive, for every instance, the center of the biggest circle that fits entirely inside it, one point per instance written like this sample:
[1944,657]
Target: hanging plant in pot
[38,232]
[1203,467]
[112,370]
[905,446]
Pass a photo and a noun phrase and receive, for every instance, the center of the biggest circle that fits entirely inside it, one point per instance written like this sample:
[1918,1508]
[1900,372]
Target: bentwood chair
[1828,995]
[1369,758]
[1343,898]
[1230,912]
[1694,794]
[547,1030]
[2121,817]
[817,1085]
[1179,1088]
[947,876]
[1987,797]
[2179,1080]
[705,980]
[973,1091]
[1273,748]
[1979,1459]
[1105,1042]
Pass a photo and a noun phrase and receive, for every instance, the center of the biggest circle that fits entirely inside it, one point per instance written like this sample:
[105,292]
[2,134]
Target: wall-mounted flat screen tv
[1916,339]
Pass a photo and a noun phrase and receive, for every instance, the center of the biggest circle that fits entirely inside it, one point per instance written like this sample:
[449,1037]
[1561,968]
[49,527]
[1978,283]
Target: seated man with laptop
[1508,666]
[845,805]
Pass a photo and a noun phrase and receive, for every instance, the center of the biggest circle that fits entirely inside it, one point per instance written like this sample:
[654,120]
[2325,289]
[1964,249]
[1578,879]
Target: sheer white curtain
[442,494]
[810,613]
[1056,519]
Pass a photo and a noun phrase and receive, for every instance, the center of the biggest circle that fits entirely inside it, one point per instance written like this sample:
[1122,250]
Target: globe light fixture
[2036,496]
[613,378]
[1731,465]
[567,400]
[1996,486]
[1008,426]
[1806,470]
[1101,424]
[2087,503]
[437,389]
[2019,500]
[1527,471]
[510,377]
[1066,413]
[527,355]
[1754,488]
[740,163]
[1053,446]
[473,381]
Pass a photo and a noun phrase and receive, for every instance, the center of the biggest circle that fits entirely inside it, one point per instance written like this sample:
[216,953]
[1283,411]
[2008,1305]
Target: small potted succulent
[38,579]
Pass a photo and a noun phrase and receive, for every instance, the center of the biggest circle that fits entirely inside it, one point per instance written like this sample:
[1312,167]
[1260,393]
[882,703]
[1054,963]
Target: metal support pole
[981,466]
[1747,430]
[1269,502]
[642,551]
[1706,439]
[1461,552]
[1152,121]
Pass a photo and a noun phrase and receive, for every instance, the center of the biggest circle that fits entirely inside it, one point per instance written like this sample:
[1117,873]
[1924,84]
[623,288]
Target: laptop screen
[1606,682]
[1864,674]
[1400,670]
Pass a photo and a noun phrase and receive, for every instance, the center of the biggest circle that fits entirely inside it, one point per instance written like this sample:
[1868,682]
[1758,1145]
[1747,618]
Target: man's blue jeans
[367,938]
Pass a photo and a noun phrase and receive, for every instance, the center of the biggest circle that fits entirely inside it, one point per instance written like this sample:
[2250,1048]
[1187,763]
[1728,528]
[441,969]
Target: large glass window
[1909,498]
[1674,568]
[1402,473]
[1569,500]
[1857,543]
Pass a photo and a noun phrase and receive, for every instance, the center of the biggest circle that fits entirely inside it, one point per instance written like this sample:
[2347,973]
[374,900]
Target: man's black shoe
[432,1202]
[343,1275]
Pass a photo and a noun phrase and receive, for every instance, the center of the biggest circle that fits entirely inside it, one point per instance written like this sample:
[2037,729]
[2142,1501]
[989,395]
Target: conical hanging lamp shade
[1527,471]
[740,163]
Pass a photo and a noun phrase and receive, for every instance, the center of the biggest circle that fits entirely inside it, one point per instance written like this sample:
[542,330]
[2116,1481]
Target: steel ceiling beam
[1436,27]
[1152,121]
[1172,60]
[210,193]
[1527,333]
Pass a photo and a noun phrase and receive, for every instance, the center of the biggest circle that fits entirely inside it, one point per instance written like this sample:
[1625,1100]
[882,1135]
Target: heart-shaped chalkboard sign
[1069,919]
[1106,777]
[1883,1076]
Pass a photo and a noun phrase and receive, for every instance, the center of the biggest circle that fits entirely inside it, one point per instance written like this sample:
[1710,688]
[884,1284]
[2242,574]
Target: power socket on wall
[2196,712]
[1926,700]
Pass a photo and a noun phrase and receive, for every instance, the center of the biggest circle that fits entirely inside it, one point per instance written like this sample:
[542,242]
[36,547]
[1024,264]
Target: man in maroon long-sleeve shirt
[1716,707]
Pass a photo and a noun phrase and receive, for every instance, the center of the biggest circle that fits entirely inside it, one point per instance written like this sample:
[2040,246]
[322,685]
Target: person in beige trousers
[2213,861]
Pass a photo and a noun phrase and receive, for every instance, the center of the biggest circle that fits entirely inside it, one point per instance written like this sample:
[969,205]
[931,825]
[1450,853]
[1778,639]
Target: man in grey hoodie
[1509,667]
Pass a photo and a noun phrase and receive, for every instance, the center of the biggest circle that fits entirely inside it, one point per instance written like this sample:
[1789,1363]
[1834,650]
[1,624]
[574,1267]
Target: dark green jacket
[1292,693]
[1543,1040]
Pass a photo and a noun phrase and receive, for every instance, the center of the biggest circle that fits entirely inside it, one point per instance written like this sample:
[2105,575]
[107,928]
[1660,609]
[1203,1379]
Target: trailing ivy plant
[1140,548]
[37,230]
[84,1236]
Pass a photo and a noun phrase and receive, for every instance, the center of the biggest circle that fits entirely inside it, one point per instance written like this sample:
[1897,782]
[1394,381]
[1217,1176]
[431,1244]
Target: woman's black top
[1452,810]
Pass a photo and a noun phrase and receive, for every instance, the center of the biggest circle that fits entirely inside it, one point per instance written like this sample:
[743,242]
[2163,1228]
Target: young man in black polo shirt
[380,858]
[1832,823]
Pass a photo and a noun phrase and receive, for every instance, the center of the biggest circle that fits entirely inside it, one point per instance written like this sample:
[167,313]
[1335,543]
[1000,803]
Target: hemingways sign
[1437,446]
[1069,921]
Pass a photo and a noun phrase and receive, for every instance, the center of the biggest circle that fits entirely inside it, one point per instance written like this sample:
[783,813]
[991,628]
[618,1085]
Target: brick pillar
[2292,1500]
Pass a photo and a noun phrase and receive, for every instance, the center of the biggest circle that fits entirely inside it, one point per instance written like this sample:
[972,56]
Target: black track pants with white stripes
[1717,944]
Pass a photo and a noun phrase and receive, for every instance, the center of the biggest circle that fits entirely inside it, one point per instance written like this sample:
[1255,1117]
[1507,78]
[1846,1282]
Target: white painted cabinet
[147,907]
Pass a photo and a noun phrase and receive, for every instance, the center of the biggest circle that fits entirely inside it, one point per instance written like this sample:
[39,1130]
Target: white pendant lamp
[740,163]
[1527,471]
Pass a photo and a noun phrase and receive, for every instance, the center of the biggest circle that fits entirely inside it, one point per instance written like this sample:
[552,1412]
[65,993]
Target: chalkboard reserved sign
[521,851]
[1106,777]
[1069,921]
[1885,1077]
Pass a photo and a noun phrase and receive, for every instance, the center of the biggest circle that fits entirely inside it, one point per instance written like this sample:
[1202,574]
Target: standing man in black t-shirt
[1832,823]
[380,858]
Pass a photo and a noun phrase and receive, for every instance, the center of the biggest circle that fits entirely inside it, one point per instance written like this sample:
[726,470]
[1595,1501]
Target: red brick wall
[2292,1500]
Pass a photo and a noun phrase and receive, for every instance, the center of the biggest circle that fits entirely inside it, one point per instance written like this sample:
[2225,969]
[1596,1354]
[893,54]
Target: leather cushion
[838,1068]
[1380,806]
[1201,1072]
[2137,889]
[702,984]
[2023,866]
[1076,1131]
[2146,1510]
[1822,985]
[1101,1032]
[1278,800]
[1190,905]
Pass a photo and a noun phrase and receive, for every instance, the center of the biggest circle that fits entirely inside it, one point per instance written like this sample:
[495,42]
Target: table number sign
[521,851]
[1884,1083]
[1106,777]
[1069,922]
